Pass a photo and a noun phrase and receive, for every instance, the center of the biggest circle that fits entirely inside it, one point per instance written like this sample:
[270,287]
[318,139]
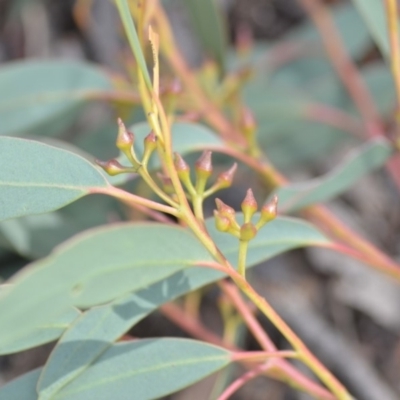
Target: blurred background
[346,313]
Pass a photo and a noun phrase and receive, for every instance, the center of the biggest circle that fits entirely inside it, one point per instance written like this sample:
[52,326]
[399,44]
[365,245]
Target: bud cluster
[225,218]
[203,171]
[125,143]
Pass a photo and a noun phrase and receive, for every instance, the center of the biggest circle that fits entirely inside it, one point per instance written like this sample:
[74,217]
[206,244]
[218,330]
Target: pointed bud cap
[150,140]
[180,163]
[125,138]
[225,179]
[204,163]
[249,205]
[224,209]
[247,232]
[221,223]
[150,144]
[269,210]
[112,167]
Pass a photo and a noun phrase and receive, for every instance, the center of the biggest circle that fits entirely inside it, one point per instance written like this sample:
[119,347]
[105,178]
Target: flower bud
[204,163]
[125,138]
[204,170]
[247,232]
[268,211]
[224,209]
[113,167]
[183,170]
[150,144]
[249,206]
[225,179]
[221,223]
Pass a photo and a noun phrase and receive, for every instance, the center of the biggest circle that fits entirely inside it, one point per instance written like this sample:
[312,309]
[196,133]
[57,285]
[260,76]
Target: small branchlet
[224,180]
[203,168]
[113,167]
[125,143]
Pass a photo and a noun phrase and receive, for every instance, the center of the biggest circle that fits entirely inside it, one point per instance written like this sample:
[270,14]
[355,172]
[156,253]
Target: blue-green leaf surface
[44,96]
[37,178]
[145,369]
[21,388]
[370,156]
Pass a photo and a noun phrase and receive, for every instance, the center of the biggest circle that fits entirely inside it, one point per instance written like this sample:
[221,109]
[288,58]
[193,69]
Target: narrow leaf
[37,178]
[208,23]
[21,388]
[145,369]
[43,96]
[93,268]
[373,12]
[43,334]
[133,39]
[370,156]
[101,326]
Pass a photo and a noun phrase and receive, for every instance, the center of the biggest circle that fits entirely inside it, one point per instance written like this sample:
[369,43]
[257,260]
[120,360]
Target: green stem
[156,189]
[130,198]
[243,246]
[197,201]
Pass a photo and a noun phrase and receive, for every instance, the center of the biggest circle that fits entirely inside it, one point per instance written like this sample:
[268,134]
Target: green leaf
[35,236]
[373,12]
[21,388]
[95,267]
[145,369]
[133,39]
[42,334]
[370,156]
[37,178]
[207,21]
[44,96]
[151,260]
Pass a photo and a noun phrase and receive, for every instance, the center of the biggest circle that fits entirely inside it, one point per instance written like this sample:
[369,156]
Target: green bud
[125,138]
[268,212]
[228,212]
[204,170]
[183,170]
[221,223]
[113,167]
[225,179]
[224,209]
[247,232]
[150,144]
[249,206]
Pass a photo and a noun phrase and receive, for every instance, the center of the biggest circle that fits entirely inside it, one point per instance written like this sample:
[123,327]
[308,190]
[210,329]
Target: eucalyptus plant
[89,291]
